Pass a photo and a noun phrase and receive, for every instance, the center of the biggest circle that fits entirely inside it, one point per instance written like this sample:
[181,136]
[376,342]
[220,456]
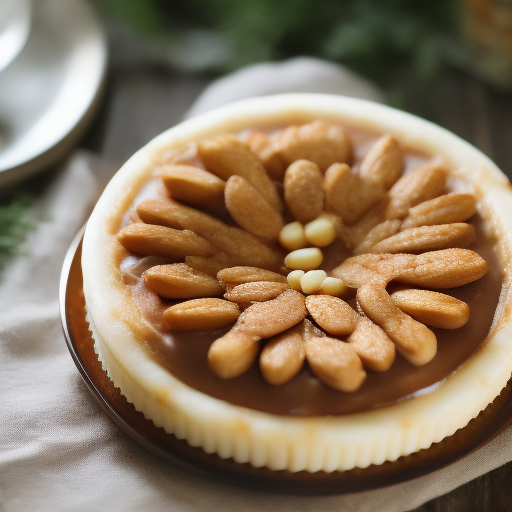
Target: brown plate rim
[194,460]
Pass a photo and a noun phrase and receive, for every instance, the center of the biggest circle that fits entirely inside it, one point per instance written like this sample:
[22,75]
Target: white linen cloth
[58,449]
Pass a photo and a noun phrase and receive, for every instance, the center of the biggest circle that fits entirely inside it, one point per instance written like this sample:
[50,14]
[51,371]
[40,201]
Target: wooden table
[142,101]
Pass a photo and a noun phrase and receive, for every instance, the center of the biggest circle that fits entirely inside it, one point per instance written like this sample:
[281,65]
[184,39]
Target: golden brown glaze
[184,354]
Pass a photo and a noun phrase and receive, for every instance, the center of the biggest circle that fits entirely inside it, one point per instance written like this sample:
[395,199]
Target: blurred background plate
[15,19]
[48,94]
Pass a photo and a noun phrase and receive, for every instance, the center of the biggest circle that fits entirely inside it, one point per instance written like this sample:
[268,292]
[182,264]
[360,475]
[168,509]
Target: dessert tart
[304,282]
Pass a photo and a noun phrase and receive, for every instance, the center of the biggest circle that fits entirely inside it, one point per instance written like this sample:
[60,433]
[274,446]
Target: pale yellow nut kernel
[312,281]
[321,231]
[292,236]
[334,286]
[294,278]
[304,259]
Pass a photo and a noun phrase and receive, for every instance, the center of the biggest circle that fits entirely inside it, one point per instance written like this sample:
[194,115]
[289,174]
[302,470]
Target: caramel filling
[185,354]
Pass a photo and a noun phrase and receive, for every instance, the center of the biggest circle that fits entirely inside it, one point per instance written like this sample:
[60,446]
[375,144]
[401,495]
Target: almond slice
[415,342]
[242,247]
[335,363]
[372,345]
[250,210]
[227,156]
[374,216]
[283,356]
[247,249]
[320,142]
[382,166]
[183,156]
[233,354]
[432,308]
[235,275]
[257,291]
[150,240]
[351,195]
[268,152]
[442,210]
[213,264]
[380,232]
[179,281]
[266,319]
[193,185]
[200,315]
[345,193]
[358,270]
[419,185]
[332,314]
[175,215]
[449,268]
[428,238]
[303,190]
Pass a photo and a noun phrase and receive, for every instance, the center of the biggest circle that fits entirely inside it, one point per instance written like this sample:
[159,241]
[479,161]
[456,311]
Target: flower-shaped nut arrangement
[407,228]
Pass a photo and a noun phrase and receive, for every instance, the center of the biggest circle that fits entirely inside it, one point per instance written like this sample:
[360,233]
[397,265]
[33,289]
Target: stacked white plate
[50,87]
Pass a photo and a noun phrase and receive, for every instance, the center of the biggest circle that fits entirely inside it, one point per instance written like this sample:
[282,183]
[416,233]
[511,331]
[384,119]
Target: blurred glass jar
[487,28]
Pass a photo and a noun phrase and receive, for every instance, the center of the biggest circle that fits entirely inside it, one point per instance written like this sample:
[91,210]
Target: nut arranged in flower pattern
[407,228]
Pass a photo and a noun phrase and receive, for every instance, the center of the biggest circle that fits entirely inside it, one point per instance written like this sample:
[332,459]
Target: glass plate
[489,423]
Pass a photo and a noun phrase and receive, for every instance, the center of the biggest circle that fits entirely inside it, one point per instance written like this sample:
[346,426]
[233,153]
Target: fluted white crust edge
[311,444]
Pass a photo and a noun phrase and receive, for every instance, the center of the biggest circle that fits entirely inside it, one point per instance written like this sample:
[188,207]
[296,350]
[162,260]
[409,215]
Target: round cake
[304,282]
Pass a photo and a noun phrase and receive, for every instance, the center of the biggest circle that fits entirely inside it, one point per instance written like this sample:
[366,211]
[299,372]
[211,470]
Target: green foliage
[142,16]
[16,221]
[399,44]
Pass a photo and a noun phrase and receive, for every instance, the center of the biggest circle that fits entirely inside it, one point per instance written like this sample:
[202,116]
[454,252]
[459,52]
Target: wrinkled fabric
[58,449]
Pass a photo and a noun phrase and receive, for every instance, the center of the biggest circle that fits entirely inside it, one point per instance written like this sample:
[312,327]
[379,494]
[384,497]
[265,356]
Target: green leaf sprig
[16,221]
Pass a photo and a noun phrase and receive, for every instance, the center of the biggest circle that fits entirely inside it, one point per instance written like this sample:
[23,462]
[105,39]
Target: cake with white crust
[304,282]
